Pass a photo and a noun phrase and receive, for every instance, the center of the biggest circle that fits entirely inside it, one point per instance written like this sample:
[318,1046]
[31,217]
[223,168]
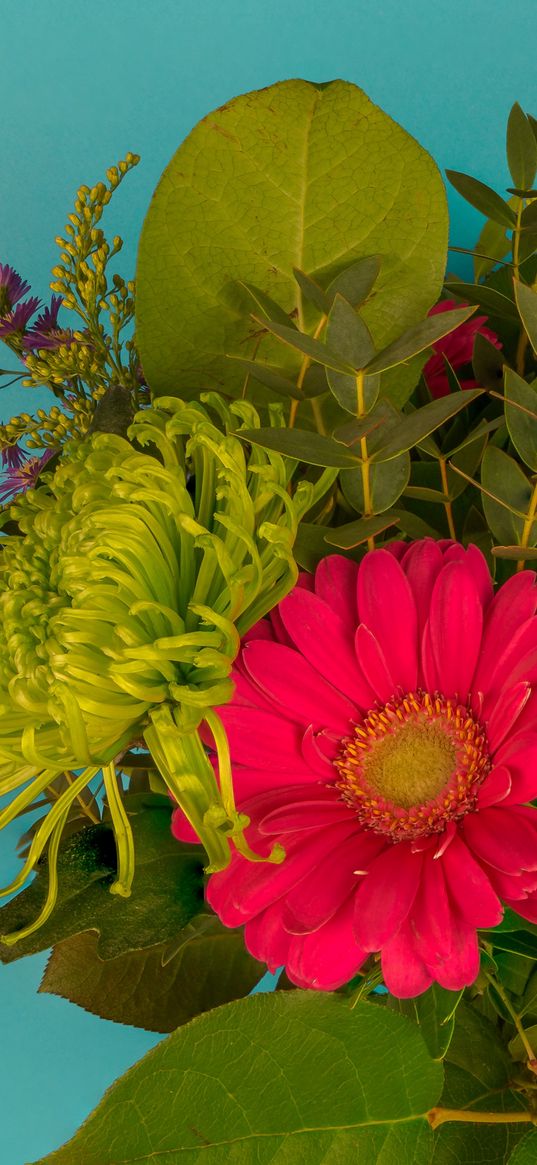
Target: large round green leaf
[295,175]
[293,1077]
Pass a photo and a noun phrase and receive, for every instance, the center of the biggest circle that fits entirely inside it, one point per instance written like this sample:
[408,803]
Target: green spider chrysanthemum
[122,602]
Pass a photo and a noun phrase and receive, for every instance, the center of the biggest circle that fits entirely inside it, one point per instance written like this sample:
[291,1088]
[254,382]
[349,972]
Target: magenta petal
[511,886]
[262,740]
[428,669]
[319,750]
[520,757]
[314,900]
[495,787]
[263,882]
[312,814]
[513,605]
[386,895]
[455,624]
[386,606]
[505,713]
[469,887]
[476,563]
[260,630]
[405,973]
[182,829]
[462,967]
[431,916]
[505,838]
[421,564]
[326,642]
[328,957]
[335,582]
[527,908]
[296,688]
[373,664]
[266,939]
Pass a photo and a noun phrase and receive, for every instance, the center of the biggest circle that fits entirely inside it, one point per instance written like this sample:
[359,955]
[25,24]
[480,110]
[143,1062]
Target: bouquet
[269,644]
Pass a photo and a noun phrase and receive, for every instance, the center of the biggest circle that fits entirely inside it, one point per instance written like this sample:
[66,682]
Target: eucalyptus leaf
[492,301]
[487,363]
[311,291]
[521,148]
[511,491]
[160,987]
[302,445]
[516,553]
[481,196]
[356,533]
[493,244]
[261,302]
[314,349]
[295,175]
[419,424]
[349,336]
[522,420]
[526,299]
[387,480]
[295,1076]
[271,376]
[355,282]
[418,338]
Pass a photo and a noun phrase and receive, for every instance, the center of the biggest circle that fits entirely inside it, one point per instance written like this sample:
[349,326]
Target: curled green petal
[122,833]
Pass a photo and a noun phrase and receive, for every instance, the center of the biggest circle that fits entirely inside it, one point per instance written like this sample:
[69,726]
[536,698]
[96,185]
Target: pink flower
[458,346]
[384,731]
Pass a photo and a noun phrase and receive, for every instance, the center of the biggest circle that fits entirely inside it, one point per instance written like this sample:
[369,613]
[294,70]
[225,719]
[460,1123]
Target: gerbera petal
[527,907]
[505,713]
[506,838]
[386,606]
[312,902]
[335,583]
[455,624]
[431,916]
[296,687]
[476,563]
[266,939]
[182,829]
[323,639]
[373,664]
[495,787]
[386,895]
[328,957]
[469,887]
[512,606]
[421,564]
[262,740]
[520,757]
[405,973]
[319,749]
[510,887]
[462,967]
[311,814]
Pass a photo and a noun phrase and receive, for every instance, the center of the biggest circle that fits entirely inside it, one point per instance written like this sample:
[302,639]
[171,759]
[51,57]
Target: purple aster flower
[15,321]
[12,288]
[13,457]
[18,480]
[46,332]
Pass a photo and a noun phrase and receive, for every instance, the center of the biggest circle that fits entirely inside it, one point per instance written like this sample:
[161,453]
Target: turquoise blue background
[83,82]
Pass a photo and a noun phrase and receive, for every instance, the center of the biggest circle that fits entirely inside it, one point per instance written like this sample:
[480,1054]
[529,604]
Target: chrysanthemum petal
[386,895]
[469,887]
[324,641]
[296,688]
[455,624]
[506,838]
[386,606]
[328,957]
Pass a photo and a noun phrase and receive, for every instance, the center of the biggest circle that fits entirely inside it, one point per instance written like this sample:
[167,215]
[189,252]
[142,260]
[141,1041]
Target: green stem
[366,480]
[439,1116]
[526,529]
[532,1059]
[447,505]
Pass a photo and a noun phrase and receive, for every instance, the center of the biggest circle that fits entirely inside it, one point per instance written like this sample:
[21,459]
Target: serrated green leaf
[481,196]
[347,335]
[526,299]
[412,429]
[522,420]
[301,445]
[487,298]
[166,872]
[356,533]
[521,148]
[503,478]
[311,291]
[418,338]
[158,988]
[294,1075]
[268,183]
[356,282]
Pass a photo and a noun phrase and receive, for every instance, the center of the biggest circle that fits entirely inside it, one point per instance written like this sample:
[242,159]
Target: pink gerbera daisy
[384,731]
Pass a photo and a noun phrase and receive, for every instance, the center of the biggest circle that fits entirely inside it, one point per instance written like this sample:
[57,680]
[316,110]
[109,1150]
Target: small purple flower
[15,321]
[12,288]
[18,480]
[13,457]
[45,332]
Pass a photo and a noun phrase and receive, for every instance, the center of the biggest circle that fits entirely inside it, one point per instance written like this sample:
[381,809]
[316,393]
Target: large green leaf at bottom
[158,988]
[294,175]
[297,1077]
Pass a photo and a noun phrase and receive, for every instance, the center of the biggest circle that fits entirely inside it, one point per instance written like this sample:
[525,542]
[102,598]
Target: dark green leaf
[525,1152]
[356,281]
[492,301]
[418,338]
[412,429]
[467,1143]
[526,299]
[516,553]
[517,1047]
[302,445]
[158,988]
[482,197]
[493,244]
[477,1048]
[511,491]
[310,545]
[355,533]
[528,218]
[487,363]
[321,353]
[521,148]
[347,335]
[414,526]
[271,376]
[468,458]
[517,942]
[522,421]
[168,874]
[297,1076]
[513,970]
[311,291]
[261,302]
[387,480]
